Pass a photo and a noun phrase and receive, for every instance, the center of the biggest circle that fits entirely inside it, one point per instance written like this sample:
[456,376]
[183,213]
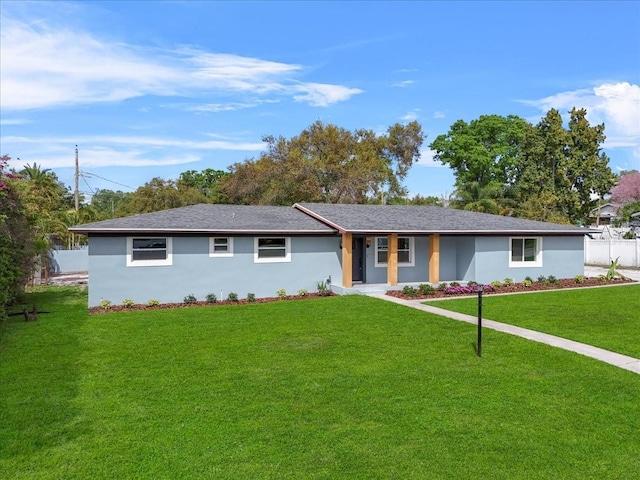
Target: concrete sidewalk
[612,358]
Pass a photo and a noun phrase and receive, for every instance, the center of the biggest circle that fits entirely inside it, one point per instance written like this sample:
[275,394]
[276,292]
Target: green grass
[604,317]
[347,387]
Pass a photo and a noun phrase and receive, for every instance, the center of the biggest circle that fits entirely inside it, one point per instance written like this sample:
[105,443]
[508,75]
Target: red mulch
[163,306]
[519,287]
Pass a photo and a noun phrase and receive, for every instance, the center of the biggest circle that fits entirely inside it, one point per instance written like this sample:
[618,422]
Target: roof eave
[149,231]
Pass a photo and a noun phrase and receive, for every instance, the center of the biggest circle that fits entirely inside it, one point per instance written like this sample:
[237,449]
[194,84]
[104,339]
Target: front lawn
[604,317]
[339,387]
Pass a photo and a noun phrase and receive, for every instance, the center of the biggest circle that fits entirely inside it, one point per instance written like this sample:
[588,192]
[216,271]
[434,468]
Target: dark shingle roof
[372,219]
[323,218]
[207,218]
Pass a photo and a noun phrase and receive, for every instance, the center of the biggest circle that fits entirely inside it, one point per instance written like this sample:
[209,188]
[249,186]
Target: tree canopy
[327,163]
[545,171]
[628,188]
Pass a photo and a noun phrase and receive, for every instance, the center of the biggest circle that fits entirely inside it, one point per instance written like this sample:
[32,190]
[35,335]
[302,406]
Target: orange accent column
[434,258]
[347,261]
[392,259]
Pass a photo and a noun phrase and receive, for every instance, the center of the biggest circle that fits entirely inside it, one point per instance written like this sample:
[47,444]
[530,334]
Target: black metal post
[480,290]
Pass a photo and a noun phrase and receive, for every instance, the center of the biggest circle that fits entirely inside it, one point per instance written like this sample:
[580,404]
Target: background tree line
[502,165]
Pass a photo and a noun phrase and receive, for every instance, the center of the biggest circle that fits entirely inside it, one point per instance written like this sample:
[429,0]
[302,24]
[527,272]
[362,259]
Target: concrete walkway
[616,359]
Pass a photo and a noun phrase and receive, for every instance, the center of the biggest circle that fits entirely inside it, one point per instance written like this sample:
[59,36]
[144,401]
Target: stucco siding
[194,272]
[562,256]
[419,272]
[465,258]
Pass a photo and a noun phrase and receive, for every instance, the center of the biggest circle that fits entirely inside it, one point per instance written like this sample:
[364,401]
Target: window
[526,252]
[405,251]
[220,247]
[272,249]
[149,251]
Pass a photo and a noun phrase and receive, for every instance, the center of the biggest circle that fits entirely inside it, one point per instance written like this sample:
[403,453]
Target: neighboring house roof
[606,210]
[213,218]
[410,219]
[323,218]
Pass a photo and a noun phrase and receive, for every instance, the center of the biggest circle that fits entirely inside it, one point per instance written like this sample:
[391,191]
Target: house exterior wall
[562,256]
[419,272]
[193,272]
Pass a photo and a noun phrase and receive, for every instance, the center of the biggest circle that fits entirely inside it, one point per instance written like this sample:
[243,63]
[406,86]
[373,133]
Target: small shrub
[302,292]
[472,284]
[106,304]
[552,280]
[232,297]
[322,288]
[189,299]
[454,284]
[442,286]
[426,289]
[251,297]
[410,291]
[527,282]
[282,294]
[211,298]
[153,303]
[496,284]
[579,279]
[541,279]
[127,303]
[508,281]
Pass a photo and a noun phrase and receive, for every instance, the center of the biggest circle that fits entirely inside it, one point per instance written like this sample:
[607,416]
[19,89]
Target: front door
[357,263]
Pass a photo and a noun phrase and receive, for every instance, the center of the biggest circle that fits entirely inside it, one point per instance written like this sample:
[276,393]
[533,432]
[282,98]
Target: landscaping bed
[108,308]
[454,289]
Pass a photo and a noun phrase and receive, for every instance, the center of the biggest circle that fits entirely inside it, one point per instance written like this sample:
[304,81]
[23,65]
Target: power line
[88,186]
[89,174]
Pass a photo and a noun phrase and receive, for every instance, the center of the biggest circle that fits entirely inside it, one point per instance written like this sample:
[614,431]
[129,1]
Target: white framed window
[221,246]
[149,251]
[406,251]
[272,249]
[525,252]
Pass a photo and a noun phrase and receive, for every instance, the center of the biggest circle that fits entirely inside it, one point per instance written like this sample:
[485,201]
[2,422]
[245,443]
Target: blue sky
[151,89]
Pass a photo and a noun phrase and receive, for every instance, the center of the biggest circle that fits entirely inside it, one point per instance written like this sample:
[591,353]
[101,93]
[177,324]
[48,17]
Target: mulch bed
[516,287]
[164,306]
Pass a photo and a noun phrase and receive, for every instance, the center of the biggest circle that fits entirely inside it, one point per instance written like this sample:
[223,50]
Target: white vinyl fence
[604,251]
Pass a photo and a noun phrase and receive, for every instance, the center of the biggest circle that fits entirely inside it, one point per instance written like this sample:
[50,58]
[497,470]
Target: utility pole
[77,177]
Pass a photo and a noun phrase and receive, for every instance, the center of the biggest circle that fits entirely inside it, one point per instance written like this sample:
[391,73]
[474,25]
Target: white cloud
[403,84]
[322,94]
[439,115]
[427,160]
[410,116]
[43,66]
[107,151]
[14,121]
[617,105]
[220,107]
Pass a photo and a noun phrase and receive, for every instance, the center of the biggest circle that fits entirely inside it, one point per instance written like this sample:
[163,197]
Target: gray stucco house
[219,249]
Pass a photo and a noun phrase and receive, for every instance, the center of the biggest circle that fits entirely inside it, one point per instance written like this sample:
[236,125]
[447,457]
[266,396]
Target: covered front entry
[383,258]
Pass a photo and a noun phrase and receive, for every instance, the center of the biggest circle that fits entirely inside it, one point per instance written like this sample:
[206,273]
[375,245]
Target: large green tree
[17,232]
[482,152]
[107,202]
[327,163]
[159,194]
[566,165]
[207,182]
